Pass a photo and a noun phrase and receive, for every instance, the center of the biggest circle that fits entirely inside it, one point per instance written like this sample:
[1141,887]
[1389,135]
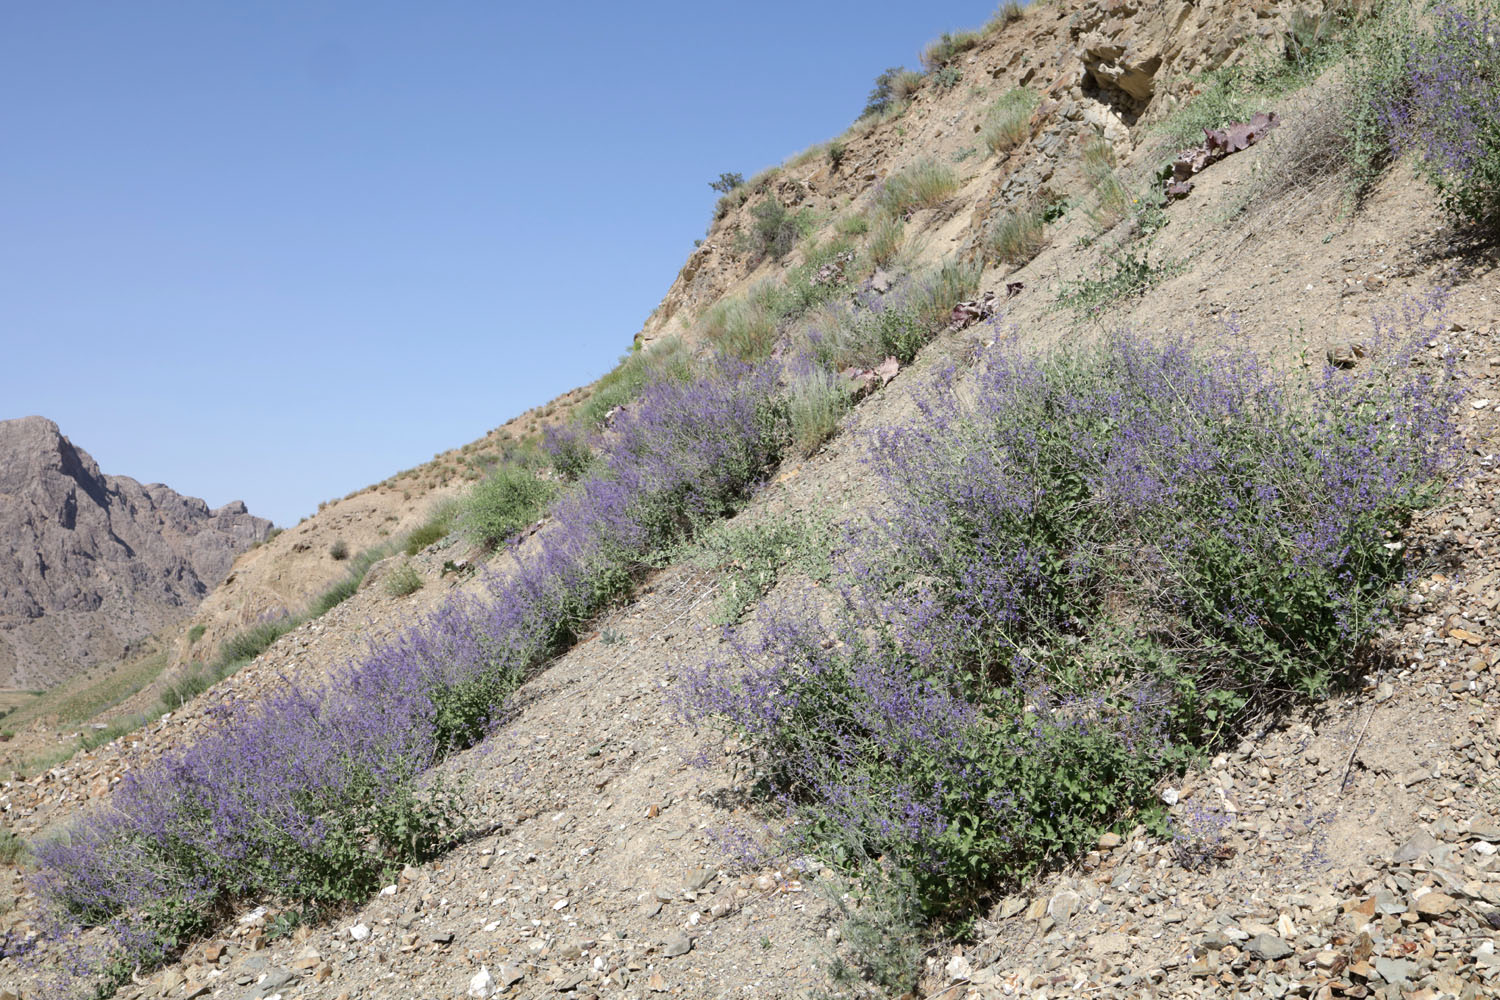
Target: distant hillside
[90,563]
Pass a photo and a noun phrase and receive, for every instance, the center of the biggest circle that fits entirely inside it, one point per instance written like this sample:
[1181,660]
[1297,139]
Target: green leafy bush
[774,230]
[727,182]
[1128,274]
[893,88]
[511,498]
[751,557]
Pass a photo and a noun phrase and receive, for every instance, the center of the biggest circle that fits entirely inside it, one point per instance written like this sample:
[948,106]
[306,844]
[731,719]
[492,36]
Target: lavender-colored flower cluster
[1450,114]
[1090,563]
[316,794]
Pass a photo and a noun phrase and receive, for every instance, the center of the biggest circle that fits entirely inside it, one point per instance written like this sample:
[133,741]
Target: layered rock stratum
[91,564]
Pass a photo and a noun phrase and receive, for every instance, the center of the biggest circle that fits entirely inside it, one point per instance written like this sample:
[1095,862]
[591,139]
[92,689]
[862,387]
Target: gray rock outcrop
[91,564]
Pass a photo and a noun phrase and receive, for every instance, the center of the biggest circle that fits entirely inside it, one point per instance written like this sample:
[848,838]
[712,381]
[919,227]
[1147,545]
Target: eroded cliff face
[91,564]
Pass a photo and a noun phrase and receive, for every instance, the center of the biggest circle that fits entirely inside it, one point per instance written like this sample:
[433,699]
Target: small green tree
[727,182]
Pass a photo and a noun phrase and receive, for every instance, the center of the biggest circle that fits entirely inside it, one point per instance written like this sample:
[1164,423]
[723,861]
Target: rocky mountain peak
[92,563]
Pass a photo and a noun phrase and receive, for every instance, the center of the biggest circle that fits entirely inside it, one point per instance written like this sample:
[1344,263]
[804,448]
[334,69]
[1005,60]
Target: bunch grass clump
[948,47]
[1009,121]
[1009,12]
[893,90]
[816,402]
[403,581]
[745,326]
[1018,234]
[887,237]
[924,184]
[1096,564]
[433,530]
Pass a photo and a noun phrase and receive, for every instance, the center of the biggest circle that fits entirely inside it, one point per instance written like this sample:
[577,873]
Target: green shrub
[195,633]
[750,558]
[924,184]
[852,225]
[947,78]
[339,550]
[403,580]
[498,507]
[773,229]
[893,88]
[1009,121]
[727,182]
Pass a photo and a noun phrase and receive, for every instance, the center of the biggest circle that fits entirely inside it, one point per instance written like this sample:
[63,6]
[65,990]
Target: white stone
[483,984]
[359,932]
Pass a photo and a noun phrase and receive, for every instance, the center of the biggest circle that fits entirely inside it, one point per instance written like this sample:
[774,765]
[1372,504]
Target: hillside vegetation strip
[1097,564]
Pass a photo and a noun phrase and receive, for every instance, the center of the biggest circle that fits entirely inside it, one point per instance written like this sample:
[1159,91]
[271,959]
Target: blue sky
[278,251]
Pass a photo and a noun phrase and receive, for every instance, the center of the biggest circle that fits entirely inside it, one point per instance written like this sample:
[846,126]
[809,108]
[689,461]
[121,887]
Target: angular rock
[1268,947]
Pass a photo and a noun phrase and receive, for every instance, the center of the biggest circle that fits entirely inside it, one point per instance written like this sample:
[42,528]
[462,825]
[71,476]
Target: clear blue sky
[277,251]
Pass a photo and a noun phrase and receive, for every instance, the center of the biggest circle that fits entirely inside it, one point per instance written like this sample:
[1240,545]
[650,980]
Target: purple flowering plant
[1091,565]
[1449,109]
[316,795]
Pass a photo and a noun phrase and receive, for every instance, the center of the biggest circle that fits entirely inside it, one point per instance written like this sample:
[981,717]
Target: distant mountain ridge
[91,563]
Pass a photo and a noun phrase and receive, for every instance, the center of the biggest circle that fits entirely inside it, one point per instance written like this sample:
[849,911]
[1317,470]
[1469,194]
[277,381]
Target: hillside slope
[1338,845]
